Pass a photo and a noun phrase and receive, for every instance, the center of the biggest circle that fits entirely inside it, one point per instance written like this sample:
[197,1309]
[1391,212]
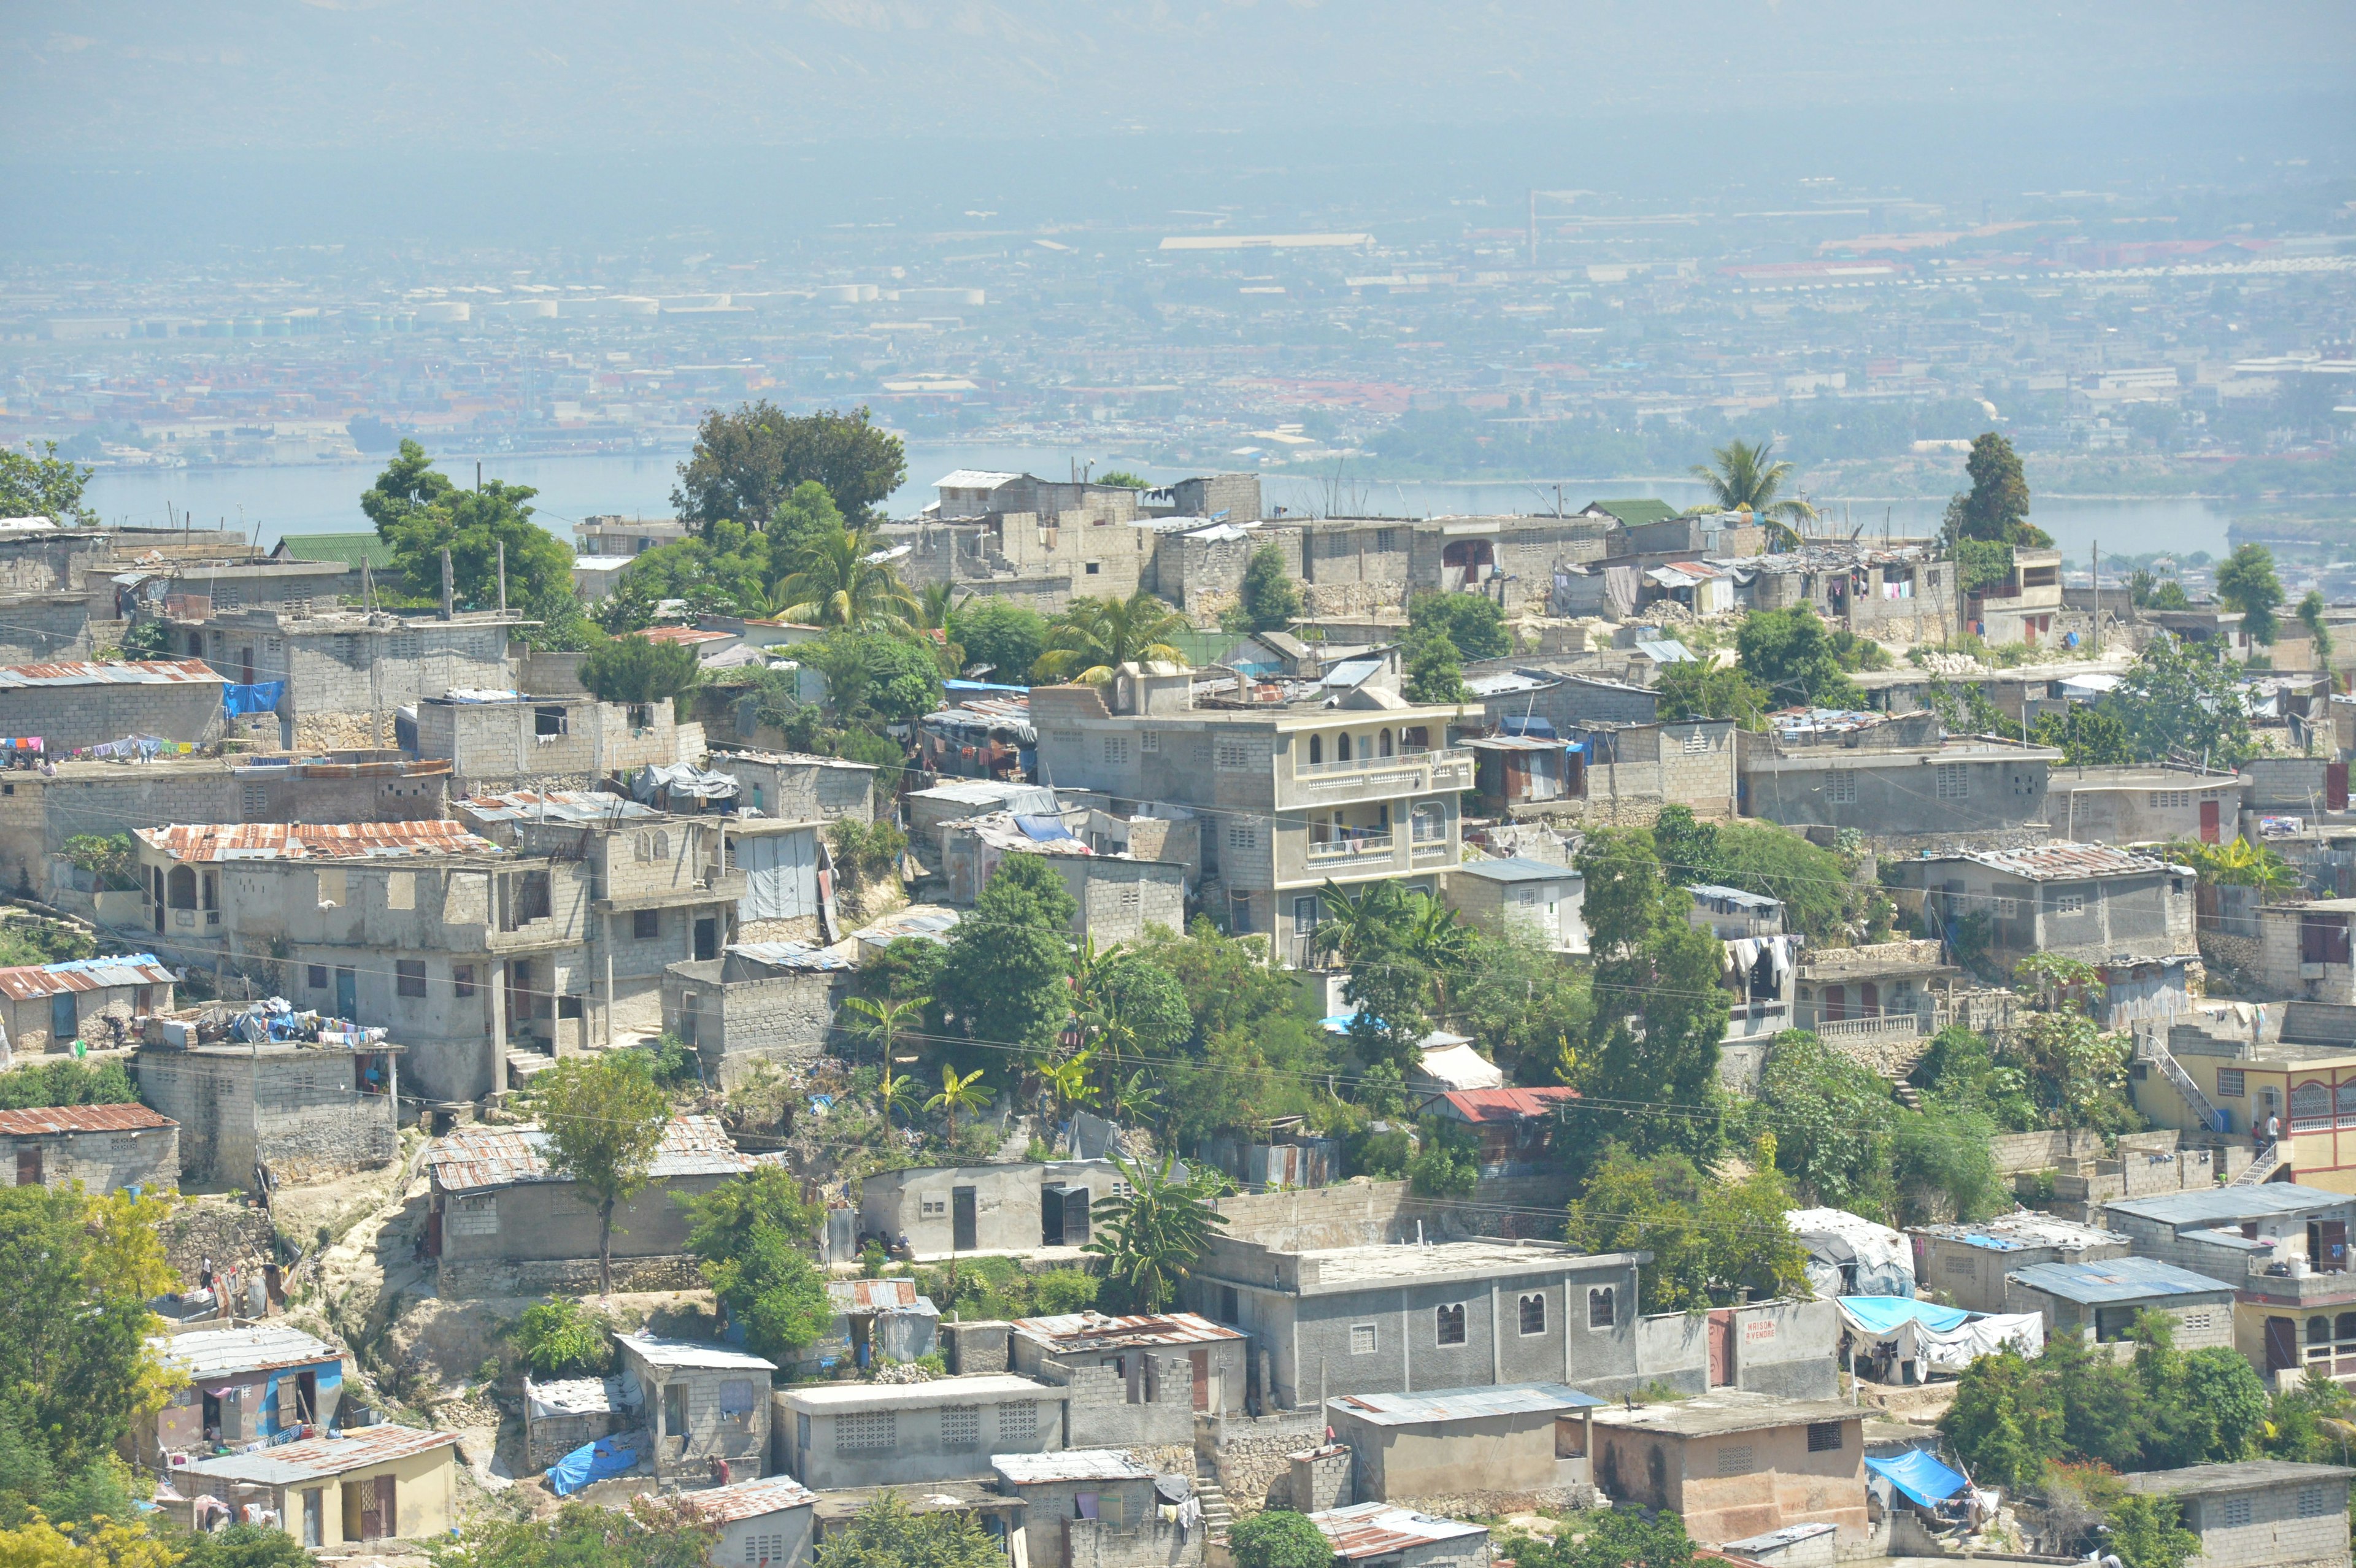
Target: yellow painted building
[2310,1086]
[373,1483]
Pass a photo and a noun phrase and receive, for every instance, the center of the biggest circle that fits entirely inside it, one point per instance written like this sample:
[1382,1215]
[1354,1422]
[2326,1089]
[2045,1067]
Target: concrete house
[498,740]
[1519,895]
[1966,1263]
[1119,898]
[371,1483]
[1878,991]
[1094,1506]
[48,1006]
[463,950]
[2099,1300]
[1514,1441]
[2305,951]
[1142,1354]
[902,1434]
[71,706]
[244,1385]
[346,672]
[307,1112]
[1885,785]
[758,1001]
[707,1406]
[2259,1513]
[1622,774]
[2143,806]
[1390,1318]
[1381,1536]
[2237,1084]
[1329,783]
[795,788]
[2089,902]
[1734,1464]
[2022,605]
[762,1523]
[499,1219]
[1016,1208]
[101,1149]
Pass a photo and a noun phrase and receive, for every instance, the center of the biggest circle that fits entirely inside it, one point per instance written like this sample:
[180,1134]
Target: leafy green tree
[243,1546]
[2305,1422]
[421,513]
[746,462]
[1448,1163]
[66,1082]
[2310,615]
[2006,1421]
[1124,479]
[1995,508]
[1252,1073]
[2076,1074]
[1742,477]
[872,677]
[1526,1010]
[1473,624]
[2168,596]
[800,525]
[1094,637]
[1660,1011]
[1711,1238]
[1791,652]
[1148,1002]
[1434,674]
[725,570]
[636,670]
[1151,1235]
[1225,981]
[1008,958]
[1832,1120]
[1270,599]
[561,1338]
[2183,697]
[38,482]
[839,585]
[1007,636]
[2087,737]
[1819,898]
[1703,690]
[1943,1162]
[2148,1531]
[605,1118]
[751,1235]
[887,1534]
[2246,582]
[645,1534]
[1612,1538]
[108,856]
[883,1020]
[1960,1071]
[1280,1538]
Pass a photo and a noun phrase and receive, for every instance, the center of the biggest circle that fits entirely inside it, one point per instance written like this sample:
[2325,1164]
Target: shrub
[560,1337]
[1278,1538]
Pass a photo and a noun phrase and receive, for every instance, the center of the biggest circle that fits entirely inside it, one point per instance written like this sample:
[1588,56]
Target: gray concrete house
[497,740]
[794,788]
[1966,1263]
[2090,901]
[1878,991]
[1340,783]
[48,1006]
[759,1001]
[704,1402]
[1140,1352]
[1735,1465]
[307,1112]
[2143,806]
[1532,898]
[1514,1442]
[1393,1318]
[1948,789]
[104,1148]
[2259,1513]
[1116,897]
[70,706]
[501,1223]
[1094,1508]
[1382,1536]
[764,1523]
[2099,1300]
[1021,1207]
[1622,774]
[463,951]
[901,1435]
[2305,950]
[780,861]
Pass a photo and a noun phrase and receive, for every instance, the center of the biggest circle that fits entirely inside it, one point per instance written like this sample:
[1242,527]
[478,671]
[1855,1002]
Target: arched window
[2347,1097]
[1599,1307]
[1835,1003]
[2319,1330]
[1415,738]
[183,887]
[2310,1106]
[1383,744]
[1316,750]
[1342,747]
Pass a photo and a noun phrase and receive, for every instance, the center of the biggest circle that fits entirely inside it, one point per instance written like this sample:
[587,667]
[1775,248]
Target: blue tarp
[262,697]
[1042,829]
[1542,729]
[1881,1313]
[594,1462]
[1921,1477]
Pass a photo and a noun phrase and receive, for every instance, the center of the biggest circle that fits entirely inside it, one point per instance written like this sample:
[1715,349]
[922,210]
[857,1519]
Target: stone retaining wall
[564,1276]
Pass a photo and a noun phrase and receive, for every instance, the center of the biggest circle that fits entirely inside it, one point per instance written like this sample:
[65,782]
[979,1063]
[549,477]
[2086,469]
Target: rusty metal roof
[870,1295]
[150,672]
[314,840]
[80,1118]
[1377,1530]
[2066,862]
[575,806]
[322,1458]
[748,1499]
[1096,1332]
[475,1159]
[31,981]
[1501,1106]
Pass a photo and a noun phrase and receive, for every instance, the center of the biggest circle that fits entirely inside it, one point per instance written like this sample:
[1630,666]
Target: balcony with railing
[1373,778]
[1350,844]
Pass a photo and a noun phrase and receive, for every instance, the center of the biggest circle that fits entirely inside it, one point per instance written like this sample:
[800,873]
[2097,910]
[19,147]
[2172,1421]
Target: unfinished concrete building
[770,1002]
[707,1407]
[98,1148]
[794,788]
[1140,1352]
[503,740]
[1116,897]
[302,1112]
[1015,1208]
[71,706]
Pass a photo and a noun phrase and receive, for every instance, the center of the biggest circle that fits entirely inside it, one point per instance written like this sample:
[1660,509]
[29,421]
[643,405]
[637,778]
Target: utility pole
[2098,598]
[503,577]
[448,586]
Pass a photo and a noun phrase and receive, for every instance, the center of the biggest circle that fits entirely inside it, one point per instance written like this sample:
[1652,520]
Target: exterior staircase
[2260,1168]
[525,1065]
[1218,1514]
[2151,1048]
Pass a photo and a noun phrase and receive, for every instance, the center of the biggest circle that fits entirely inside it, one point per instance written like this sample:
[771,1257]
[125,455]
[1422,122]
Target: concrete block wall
[1147,1543]
[66,716]
[1251,1459]
[1188,573]
[1152,1407]
[341,666]
[99,1161]
[1320,1478]
[786,1020]
[298,1115]
[2277,1535]
[481,1278]
[45,628]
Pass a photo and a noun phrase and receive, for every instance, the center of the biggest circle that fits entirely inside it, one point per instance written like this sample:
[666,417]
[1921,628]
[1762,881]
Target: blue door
[348,1002]
[65,1022]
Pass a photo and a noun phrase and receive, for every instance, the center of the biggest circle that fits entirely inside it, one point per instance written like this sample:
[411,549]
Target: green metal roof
[349,548]
[1636,514]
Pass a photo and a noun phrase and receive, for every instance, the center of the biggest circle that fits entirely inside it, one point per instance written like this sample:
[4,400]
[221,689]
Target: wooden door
[2281,1344]
[1201,1358]
[2208,819]
[28,1164]
[1721,1347]
[388,1517]
[963,1219]
[2335,786]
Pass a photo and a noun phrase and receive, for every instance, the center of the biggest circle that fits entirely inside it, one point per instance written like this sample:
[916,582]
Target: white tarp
[1938,1342]
[780,874]
[1850,1256]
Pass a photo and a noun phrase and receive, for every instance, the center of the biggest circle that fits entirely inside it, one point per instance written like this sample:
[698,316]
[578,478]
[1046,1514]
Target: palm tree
[1352,920]
[1066,1082]
[1089,964]
[1439,942]
[1094,637]
[936,602]
[884,1019]
[1136,1099]
[1151,1235]
[958,1095]
[891,1090]
[1742,479]
[841,586]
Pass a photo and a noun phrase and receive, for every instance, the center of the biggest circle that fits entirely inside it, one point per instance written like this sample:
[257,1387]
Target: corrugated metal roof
[314,840]
[2066,862]
[658,1351]
[1739,897]
[2117,1280]
[2022,1230]
[682,635]
[147,672]
[556,805]
[974,479]
[475,1159]
[870,1295]
[210,1353]
[1465,1403]
[30,981]
[1377,1530]
[748,1499]
[1096,1332]
[791,955]
[1069,1465]
[319,1458]
[1493,1105]
[2203,1207]
[53,1119]
[1517,869]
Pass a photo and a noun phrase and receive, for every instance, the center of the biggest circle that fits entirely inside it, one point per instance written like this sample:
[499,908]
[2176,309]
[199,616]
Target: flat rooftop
[1463,1403]
[838,1399]
[1727,1410]
[1342,1267]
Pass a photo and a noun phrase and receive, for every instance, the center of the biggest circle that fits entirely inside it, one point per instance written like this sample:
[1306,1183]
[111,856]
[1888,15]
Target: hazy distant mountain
[179,76]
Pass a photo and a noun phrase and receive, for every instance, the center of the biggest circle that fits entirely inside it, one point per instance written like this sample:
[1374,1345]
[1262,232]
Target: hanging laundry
[260,697]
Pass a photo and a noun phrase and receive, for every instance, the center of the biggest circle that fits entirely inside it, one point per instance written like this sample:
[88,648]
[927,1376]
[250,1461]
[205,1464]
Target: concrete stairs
[2260,1168]
[525,1065]
[1218,1514]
